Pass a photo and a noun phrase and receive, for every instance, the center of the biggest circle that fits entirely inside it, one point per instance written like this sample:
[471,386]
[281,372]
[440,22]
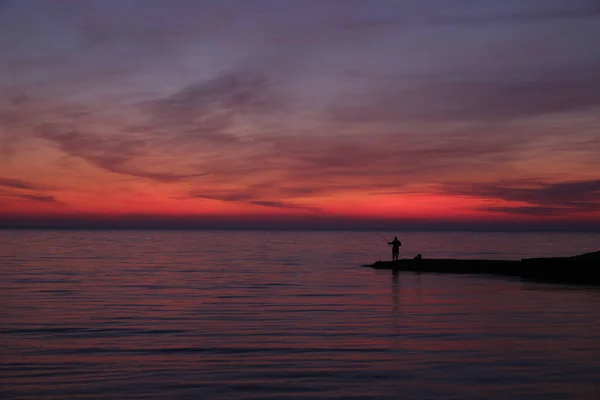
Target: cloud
[40,198]
[243,92]
[210,110]
[539,12]
[18,184]
[25,190]
[540,211]
[256,195]
[541,198]
[386,16]
[446,15]
[74,128]
[293,169]
[113,154]
[281,204]
[522,94]
[283,132]
[385,160]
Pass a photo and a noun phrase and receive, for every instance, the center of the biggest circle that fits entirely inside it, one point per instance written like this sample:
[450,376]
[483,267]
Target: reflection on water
[285,315]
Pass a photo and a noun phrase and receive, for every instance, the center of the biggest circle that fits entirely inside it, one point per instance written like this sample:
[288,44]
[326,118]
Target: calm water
[286,315]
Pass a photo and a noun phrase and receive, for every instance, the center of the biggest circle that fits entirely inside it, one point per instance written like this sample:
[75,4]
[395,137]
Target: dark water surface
[287,315]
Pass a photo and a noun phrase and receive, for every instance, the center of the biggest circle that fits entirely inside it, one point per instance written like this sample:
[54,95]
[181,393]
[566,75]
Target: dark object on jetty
[581,269]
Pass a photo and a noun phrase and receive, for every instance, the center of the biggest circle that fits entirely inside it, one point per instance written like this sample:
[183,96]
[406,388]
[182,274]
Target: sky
[300,113]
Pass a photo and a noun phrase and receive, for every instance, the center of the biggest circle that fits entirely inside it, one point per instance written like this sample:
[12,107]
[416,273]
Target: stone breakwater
[580,269]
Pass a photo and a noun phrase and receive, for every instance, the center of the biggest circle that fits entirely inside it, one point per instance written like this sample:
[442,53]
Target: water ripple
[287,315]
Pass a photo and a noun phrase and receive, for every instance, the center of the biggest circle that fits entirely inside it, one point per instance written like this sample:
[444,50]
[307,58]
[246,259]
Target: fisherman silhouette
[395,248]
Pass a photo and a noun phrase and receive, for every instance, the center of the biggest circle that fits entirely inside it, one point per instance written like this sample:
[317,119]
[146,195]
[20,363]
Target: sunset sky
[291,112]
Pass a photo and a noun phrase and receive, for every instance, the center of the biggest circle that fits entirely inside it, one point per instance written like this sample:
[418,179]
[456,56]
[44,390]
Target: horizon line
[507,229]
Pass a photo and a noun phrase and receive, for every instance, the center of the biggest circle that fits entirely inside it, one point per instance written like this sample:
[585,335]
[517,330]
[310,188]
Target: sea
[184,314]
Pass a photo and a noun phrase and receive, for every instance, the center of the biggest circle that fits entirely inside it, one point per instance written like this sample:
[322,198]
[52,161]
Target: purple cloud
[111,154]
[18,184]
[462,98]
[543,198]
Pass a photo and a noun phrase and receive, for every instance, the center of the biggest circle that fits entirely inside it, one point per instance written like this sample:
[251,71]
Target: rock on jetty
[581,269]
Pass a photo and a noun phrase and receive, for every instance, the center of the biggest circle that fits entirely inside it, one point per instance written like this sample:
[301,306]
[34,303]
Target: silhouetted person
[395,248]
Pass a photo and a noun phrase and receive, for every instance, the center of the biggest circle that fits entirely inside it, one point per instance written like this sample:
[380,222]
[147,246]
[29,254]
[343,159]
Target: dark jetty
[582,269]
